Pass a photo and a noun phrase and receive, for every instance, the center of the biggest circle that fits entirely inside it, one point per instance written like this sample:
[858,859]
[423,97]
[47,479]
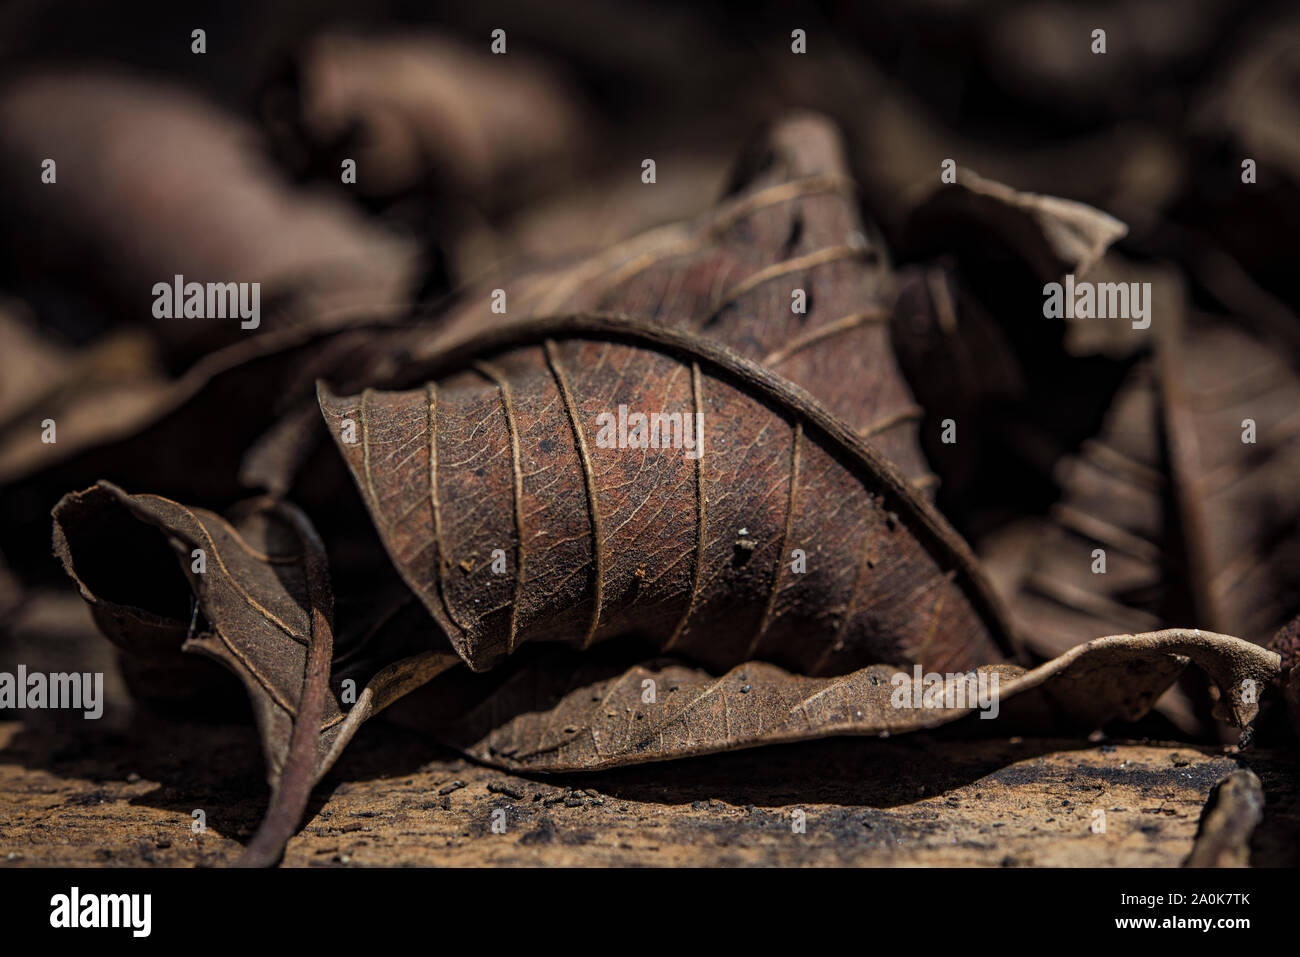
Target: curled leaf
[1053,236]
[564,714]
[262,593]
[518,509]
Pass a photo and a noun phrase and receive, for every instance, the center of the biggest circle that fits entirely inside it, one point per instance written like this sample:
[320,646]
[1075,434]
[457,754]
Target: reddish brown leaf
[498,458]
[789,224]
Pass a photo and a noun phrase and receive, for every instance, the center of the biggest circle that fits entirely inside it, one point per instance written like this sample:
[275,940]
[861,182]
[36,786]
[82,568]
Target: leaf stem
[292,791]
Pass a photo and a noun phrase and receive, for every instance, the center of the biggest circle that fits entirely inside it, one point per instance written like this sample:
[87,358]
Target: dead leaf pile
[706,487]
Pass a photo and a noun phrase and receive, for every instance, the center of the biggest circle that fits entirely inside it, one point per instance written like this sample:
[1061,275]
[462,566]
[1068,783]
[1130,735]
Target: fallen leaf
[261,590]
[513,520]
[563,714]
[788,228]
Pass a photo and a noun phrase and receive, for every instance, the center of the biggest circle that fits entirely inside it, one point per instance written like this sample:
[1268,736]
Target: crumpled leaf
[499,459]
[253,600]
[1192,523]
[145,436]
[569,714]
[1114,498]
[1195,522]
[1236,499]
[1052,236]
[972,351]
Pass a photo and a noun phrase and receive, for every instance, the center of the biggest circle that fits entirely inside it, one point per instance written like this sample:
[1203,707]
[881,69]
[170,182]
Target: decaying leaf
[266,609]
[523,504]
[566,713]
[764,573]
[977,351]
[1231,396]
[509,500]
[1187,492]
[262,590]
[1177,511]
[1099,561]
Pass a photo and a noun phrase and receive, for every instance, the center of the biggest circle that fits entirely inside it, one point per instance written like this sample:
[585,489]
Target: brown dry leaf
[1232,417]
[789,223]
[253,598]
[1195,524]
[562,714]
[971,348]
[499,461]
[146,436]
[1051,236]
[1115,497]
[247,395]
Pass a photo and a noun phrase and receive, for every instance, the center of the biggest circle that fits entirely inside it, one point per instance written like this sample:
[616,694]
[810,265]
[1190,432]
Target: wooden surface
[120,791]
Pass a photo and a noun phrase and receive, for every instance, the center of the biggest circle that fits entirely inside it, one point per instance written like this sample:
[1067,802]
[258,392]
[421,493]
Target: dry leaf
[499,460]
[567,714]
[263,592]
[788,224]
